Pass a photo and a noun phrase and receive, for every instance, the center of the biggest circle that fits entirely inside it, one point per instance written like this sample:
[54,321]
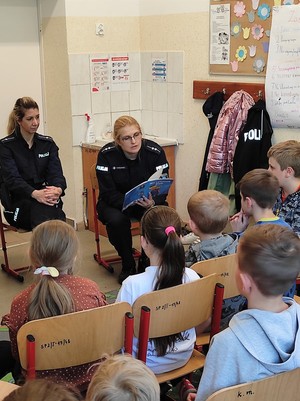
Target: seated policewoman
[122,164]
[32,181]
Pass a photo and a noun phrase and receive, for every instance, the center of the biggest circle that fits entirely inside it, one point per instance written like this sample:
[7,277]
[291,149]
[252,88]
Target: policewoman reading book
[122,165]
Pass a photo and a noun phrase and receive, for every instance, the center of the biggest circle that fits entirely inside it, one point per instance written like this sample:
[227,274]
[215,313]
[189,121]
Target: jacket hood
[220,246]
[270,336]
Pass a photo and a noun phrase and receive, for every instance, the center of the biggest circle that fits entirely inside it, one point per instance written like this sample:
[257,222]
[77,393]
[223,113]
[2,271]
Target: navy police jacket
[117,175]
[25,169]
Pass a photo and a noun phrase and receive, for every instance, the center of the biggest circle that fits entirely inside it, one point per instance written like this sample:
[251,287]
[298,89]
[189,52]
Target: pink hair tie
[169,229]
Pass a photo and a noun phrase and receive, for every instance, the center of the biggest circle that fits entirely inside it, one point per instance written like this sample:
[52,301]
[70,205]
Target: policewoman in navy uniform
[32,180]
[122,164]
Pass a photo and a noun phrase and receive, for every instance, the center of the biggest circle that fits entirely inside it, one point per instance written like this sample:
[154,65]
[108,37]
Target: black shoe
[125,273]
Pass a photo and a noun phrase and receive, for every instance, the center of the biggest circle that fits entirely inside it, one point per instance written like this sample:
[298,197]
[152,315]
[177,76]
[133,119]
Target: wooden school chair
[284,386]
[15,273]
[224,267]
[75,339]
[105,262]
[176,309]
[6,388]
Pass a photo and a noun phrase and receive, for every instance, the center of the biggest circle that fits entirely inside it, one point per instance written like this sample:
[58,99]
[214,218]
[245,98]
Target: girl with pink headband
[160,240]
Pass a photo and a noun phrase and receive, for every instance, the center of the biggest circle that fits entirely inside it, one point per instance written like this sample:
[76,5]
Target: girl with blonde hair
[53,251]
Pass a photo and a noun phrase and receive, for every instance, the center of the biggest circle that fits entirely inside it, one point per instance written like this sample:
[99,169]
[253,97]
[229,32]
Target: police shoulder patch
[153,148]
[7,139]
[108,148]
[44,137]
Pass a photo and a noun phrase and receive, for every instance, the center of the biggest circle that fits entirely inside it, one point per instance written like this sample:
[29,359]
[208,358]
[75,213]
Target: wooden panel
[204,89]
[89,157]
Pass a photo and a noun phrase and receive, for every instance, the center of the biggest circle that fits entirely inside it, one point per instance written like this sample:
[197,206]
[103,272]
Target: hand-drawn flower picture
[241,53]
[235,29]
[239,9]
[263,11]
[257,31]
[259,64]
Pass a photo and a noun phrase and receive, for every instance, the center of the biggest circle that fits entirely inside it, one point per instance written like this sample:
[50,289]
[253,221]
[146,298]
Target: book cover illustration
[155,187]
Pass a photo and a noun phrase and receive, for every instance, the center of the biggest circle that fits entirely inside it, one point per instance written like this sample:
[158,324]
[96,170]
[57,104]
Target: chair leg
[5,266]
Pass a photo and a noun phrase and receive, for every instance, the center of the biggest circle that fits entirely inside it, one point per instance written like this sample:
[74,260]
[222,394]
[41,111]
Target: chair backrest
[179,308]
[297,299]
[94,179]
[76,338]
[224,267]
[284,386]
[6,388]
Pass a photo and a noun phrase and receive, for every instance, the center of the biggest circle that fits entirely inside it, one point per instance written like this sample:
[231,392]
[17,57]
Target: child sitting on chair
[209,215]
[122,377]
[264,339]
[43,390]
[160,239]
[258,189]
[284,163]
[53,250]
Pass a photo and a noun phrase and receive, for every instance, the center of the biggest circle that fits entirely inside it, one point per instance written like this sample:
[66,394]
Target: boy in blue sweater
[264,339]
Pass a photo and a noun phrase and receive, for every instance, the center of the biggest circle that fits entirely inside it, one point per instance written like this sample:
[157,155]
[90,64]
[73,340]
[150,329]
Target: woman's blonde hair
[22,104]
[122,122]
[53,244]
[43,390]
[122,377]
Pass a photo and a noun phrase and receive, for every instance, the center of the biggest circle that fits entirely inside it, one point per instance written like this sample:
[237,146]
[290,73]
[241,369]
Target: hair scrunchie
[47,271]
[169,229]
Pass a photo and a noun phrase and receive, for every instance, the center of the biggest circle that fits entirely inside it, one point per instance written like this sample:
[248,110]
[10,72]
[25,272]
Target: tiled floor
[86,265]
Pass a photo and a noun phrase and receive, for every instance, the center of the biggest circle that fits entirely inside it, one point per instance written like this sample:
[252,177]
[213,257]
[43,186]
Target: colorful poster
[120,78]
[99,74]
[159,70]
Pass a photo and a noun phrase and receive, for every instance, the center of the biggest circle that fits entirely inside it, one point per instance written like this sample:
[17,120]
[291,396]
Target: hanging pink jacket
[231,120]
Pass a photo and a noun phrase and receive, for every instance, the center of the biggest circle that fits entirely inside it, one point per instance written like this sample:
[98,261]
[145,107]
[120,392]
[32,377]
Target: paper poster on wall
[219,34]
[120,78]
[159,69]
[283,72]
[99,74]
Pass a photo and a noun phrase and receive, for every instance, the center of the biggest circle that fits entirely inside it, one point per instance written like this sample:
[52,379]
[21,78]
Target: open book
[154,185]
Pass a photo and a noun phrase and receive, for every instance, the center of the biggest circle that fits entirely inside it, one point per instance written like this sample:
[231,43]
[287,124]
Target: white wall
[20,73]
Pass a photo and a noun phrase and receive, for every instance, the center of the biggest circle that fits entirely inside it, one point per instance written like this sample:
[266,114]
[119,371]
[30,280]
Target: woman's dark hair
[172,261]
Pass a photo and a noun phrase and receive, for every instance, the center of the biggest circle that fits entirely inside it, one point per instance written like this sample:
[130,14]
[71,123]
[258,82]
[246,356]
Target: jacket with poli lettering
[25,169]
[254,142]
[117,174]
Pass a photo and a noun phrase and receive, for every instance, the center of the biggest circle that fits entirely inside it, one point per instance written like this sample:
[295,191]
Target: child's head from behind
[261,186]
[122,377]
[154,223]
[286,155]
[160,235]
[209,211]
[270,254]
[43,390]
[53,250]
[54,243]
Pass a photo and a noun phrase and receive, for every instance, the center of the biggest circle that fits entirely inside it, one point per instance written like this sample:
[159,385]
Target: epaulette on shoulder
[44,137]
[153,147]
[108,148]
[9,138]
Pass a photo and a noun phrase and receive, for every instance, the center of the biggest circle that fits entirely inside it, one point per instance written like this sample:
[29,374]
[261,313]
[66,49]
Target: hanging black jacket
[253,144]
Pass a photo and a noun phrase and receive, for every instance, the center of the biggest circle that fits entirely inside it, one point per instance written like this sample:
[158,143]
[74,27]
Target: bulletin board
[240,34]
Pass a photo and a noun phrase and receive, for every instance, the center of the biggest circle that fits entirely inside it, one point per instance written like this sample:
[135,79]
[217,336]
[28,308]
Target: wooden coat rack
[204,89]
